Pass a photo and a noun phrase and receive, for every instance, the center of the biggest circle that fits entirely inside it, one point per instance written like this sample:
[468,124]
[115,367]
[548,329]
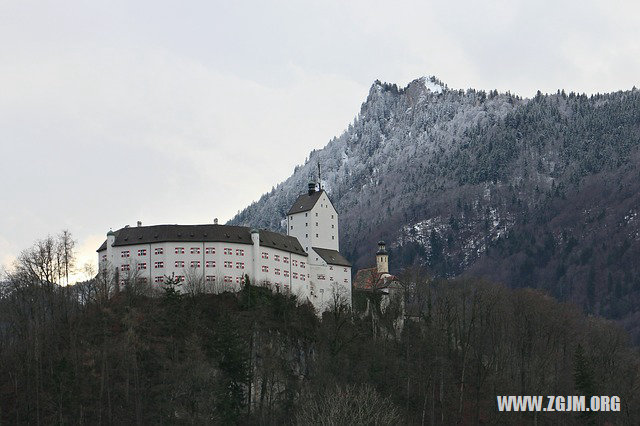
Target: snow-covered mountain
[540,192]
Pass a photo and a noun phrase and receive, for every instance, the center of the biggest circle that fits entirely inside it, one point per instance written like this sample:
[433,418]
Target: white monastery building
[305,262]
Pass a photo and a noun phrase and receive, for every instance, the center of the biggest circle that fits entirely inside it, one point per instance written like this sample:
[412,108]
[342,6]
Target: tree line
[93,353]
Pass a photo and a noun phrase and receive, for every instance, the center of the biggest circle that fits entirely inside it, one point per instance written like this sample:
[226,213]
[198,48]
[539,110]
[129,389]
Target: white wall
[317,227]
[299,275]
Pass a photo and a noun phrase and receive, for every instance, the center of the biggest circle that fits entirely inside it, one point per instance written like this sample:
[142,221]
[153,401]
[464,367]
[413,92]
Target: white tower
[314,221]
[382,258]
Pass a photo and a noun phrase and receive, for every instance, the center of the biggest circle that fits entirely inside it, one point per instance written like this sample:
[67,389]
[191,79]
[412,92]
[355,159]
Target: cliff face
[540,192]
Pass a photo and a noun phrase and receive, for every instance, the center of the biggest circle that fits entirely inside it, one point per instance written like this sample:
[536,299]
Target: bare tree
[194,282]
[66,245]
[354,405]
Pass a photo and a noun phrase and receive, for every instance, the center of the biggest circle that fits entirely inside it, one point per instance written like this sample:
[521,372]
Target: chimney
[312,188]
[139,223]
[382,258]
[215,221]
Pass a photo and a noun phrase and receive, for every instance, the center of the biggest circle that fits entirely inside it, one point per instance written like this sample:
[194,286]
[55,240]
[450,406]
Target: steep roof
[199,233]
[332,257]
[370,279]
[305,202]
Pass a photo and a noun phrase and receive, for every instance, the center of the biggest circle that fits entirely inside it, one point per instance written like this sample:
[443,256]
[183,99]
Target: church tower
[382,258]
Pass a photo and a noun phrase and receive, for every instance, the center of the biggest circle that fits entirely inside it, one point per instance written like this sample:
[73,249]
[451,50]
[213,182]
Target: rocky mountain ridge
[540,192]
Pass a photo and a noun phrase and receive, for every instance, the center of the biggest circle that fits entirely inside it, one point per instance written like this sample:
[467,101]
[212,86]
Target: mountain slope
[539,192]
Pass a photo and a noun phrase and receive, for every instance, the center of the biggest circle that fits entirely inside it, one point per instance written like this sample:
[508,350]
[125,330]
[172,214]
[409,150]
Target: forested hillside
[92,354]
[540,192]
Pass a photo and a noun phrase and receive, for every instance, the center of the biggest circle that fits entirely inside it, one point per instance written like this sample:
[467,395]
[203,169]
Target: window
[228,279]
[228,264]
[104,257]
[159,279]
[333,226]
[265,255]
[333,238]
[316,223]
[210,278]
[330,278]
[345,269]
[239,265]
[265,269]
[295,275]
[316,214]
[228,251]
[142,252]
[195,263]
[286,273]
[306,235]
[238,280]
[330,268]
[331,216]
[179,250]
[346,281]
[285,259]
[316,235]
[239,252]
[301,277]
[159,251]
[210,264]
[276,257]
[125,267]
[294,262]
[291,226]
[305,215]
[125,254]
[302,265]
[321,276]
[179,278]
[306,224]
[277,271]
[210,250]
[142,266]
[158,265]
[179,264]
[195,250]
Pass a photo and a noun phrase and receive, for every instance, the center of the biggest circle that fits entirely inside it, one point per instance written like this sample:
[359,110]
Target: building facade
[305,262]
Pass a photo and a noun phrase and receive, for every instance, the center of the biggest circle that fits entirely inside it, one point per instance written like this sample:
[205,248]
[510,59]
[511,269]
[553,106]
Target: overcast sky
[179,112]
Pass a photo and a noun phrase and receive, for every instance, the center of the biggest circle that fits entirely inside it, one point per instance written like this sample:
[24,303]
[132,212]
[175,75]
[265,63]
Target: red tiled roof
[370,279]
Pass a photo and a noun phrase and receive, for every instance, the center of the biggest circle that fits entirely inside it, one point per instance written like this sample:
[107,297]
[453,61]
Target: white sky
[179,112]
